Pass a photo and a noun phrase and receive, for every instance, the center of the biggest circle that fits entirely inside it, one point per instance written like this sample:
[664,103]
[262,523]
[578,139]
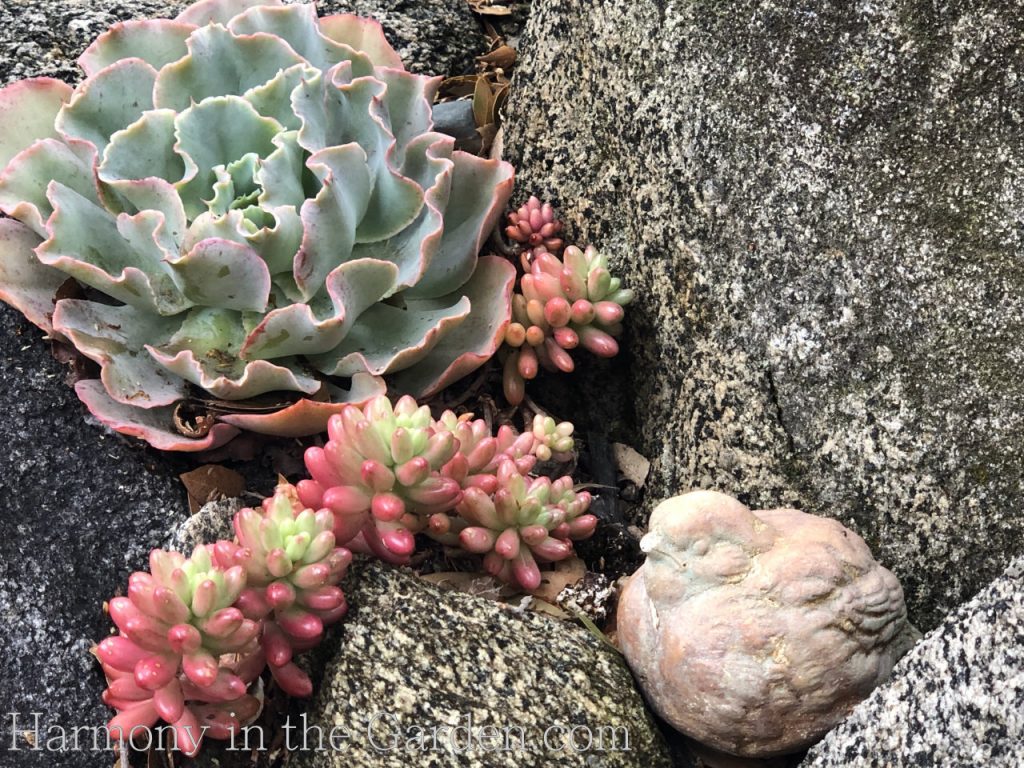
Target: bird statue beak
[649,543]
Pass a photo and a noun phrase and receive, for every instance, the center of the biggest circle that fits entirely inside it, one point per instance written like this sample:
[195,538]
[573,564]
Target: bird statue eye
[700,547]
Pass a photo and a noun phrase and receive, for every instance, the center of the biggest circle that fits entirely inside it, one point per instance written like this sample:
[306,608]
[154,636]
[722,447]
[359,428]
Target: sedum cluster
[566,299]
[388,472]
[257,213]
[195,633]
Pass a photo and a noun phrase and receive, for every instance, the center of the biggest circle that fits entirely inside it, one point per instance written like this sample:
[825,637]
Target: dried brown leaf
[211,482]
[566,573]
[502,57]
[483,103]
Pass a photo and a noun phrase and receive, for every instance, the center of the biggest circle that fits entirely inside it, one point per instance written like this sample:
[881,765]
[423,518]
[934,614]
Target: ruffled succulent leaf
[23,183]
[387,338]
[116,338]
[306,416]
[313,328]
[204,145]
[298,26]
[109,101]
[473,341]
[27,113]
[363,35]
[428,163]
[327,108]
[219,11]
[117,255]
[155,41]
[221,63]
[145,149]
[25,283]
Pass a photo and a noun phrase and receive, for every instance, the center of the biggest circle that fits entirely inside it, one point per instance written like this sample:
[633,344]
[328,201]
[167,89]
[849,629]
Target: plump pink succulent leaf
[155,425]
[469,218]
[313,328]
[155,41]
[115,337]
[331,217]
[219,11]
[27,111]
[114,98]
[362,34]
[387,338]
[309,417]
[325,107]
[221,273]
[26,284]
[23,183]
[221,63]
[475,340]
[117,255]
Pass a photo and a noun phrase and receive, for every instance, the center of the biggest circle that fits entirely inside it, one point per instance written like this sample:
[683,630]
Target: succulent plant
[379,473]
[180,637]
[565,303]
[524,521]
[259,209]
[553,439]
[293,569]
[535,227]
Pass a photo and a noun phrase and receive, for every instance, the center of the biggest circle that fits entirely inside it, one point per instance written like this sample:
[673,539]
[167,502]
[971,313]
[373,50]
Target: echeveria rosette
[293,570]
[565,303]
[525,521]
[379,473]
[180,639]
[260,200]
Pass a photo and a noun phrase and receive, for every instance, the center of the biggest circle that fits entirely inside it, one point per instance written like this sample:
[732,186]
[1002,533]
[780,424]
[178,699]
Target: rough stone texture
[755,632]
[411,654]
[44,38]
[81,510]
[957,699]
[820,208]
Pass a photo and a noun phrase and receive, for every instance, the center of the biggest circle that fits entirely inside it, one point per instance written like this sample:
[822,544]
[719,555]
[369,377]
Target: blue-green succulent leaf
[221,63]
[119,256]
[25,283]
[27,111]
[205,145]
[108,102]
[308,329]
[116,338]
[155,41]
[24,181]
[387,338]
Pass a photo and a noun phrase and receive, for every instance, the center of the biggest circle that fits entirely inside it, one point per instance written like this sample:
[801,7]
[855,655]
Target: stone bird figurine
[755,632]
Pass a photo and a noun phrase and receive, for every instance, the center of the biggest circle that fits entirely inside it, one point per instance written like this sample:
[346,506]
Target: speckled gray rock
[755,632]
[412,655]
[45,37]
[81,508]
[819,206]
[956,700]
